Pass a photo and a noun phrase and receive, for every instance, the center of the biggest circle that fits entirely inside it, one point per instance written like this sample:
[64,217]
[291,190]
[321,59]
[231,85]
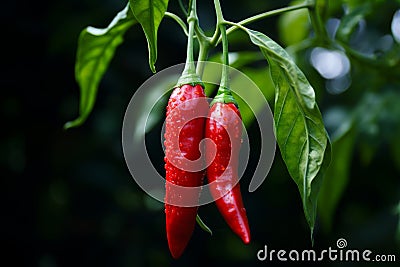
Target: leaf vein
[290,131]
[282,107]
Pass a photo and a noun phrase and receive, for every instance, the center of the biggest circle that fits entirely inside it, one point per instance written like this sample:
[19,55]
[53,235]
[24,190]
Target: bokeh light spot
[330,64]
[396,26]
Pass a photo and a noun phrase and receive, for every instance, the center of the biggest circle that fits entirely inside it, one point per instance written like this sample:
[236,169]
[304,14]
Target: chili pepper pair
[222,125]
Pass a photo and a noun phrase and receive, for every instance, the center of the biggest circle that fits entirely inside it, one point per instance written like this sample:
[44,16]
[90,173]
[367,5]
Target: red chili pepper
[185,122]
[224,128]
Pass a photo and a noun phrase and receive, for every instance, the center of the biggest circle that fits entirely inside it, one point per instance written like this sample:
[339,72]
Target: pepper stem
[189,75]
[224,94]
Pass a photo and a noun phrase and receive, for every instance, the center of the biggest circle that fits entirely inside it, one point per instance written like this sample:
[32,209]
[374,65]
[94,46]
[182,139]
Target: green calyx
[189,78]
[225,96]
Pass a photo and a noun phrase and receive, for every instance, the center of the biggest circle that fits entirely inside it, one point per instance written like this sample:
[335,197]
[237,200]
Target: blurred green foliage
[69,199]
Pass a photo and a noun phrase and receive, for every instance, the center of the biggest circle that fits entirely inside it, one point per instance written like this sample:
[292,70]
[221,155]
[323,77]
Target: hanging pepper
[186,111]
[224,128]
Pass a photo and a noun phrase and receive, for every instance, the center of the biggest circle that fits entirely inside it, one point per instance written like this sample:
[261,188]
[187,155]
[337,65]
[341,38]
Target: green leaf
[203,225]
[240,85]
[240,59]
[294,26]
[336,177]
[149,14]
[237,60]
[96,48]
[299,129]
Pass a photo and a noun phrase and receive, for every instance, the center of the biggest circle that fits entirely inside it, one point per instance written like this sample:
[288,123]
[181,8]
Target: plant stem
[179,21]
[217,39]
[224,94]
[204,48]
[222,27]
[225,57]
[220,20]
[189,53]
[315,9]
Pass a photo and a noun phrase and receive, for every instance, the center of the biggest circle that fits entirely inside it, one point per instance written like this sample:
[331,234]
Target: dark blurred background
[68,197]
